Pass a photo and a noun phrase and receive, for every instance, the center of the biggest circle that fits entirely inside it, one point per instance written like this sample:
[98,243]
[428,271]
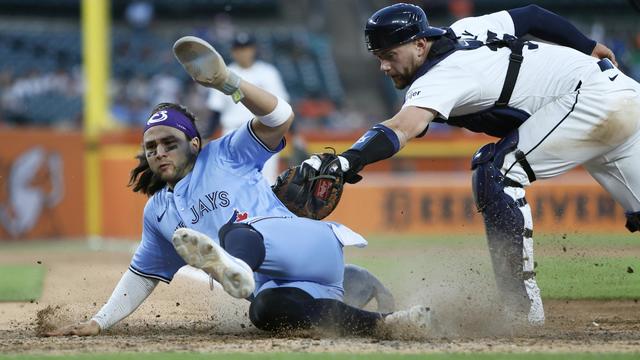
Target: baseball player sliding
[553,106]
[210,207]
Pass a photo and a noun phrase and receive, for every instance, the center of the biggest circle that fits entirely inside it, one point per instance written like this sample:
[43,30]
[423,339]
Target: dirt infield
[188,316]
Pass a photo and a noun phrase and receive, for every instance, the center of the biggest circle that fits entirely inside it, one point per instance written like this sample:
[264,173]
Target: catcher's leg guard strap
[633,221]
[244,242]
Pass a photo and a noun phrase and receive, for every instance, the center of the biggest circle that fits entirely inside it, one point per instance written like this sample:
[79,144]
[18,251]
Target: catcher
[210,207]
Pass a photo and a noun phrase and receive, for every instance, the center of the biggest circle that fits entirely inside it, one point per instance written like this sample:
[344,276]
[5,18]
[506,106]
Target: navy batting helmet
[397,24]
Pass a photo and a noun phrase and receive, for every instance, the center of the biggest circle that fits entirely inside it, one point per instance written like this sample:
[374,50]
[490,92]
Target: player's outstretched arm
[205,65]
[131,291]
[384,140]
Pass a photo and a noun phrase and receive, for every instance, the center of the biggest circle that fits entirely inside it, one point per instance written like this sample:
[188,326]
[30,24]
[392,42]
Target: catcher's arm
[383,140]
[130,292]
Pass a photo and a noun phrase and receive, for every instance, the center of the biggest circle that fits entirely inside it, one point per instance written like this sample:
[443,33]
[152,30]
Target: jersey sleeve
[479,28]
[242,149]
[155,257]
[442,89]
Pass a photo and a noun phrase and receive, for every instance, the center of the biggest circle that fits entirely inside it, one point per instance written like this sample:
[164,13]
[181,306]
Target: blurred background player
[262,74]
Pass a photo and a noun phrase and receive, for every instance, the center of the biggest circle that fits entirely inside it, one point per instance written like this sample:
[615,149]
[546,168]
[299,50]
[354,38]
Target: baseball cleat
[205,65]
[417,318]
[200,251]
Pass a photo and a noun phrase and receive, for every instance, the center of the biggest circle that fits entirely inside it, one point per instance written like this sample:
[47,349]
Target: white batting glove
[205,65]
[315,162]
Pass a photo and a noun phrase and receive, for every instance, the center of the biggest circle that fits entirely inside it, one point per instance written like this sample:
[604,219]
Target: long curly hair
[142,179]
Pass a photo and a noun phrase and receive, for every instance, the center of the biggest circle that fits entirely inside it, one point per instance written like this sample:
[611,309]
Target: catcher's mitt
[311,193]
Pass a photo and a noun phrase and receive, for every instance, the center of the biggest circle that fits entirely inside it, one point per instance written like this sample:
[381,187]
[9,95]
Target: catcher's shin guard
[508,225]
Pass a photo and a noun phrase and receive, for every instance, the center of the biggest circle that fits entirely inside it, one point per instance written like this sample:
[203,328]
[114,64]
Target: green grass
[580,273]
[296,356]
[589,278]
[21,282]
[542,239]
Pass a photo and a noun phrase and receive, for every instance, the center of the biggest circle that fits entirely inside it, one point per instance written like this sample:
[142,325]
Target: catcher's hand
[312,189]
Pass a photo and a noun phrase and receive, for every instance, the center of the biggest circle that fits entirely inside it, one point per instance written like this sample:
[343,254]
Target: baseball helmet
[397,24]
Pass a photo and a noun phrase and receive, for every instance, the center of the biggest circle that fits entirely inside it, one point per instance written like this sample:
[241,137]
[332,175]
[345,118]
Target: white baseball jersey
[233,115]
[470,81]
[579,112]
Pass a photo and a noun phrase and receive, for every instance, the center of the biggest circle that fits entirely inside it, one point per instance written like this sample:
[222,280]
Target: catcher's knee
[633,221]
[487,180]
[244,242]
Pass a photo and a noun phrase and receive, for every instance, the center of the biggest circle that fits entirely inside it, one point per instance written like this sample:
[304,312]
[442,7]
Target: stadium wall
[42,194]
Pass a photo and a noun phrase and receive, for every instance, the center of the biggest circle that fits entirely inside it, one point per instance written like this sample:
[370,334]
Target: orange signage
[41,184]
[444,204]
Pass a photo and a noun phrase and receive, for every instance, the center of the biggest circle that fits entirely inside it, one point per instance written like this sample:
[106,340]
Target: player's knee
[487,179]
[280,309]
[633,221]
[244,242]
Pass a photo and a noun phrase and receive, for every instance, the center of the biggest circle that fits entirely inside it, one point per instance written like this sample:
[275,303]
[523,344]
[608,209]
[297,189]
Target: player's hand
[89,328]
[602,52]
[314,161]
[205,65]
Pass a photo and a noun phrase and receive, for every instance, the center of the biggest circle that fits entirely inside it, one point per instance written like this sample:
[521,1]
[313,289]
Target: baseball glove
[311,193]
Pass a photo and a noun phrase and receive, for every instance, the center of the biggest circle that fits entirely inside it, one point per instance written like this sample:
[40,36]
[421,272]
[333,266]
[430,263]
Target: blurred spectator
[164,88]
[139,14]
[260,73]
[461,8]
[315,111]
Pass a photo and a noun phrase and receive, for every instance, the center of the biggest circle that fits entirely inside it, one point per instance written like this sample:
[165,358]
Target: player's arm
[131,291]
[383,140]
[205,65]
[545,25]
[273,114]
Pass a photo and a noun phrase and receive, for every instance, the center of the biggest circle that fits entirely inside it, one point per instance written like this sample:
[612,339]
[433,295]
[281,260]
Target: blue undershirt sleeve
[545,25]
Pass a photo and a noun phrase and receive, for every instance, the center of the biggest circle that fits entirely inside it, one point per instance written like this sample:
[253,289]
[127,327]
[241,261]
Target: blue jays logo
[160,116]
[238,216]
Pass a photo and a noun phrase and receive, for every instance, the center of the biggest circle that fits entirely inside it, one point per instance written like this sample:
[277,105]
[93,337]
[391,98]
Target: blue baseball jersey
[225,185]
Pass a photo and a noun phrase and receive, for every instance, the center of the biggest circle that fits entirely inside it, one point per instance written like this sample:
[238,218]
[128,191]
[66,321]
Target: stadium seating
[304,59]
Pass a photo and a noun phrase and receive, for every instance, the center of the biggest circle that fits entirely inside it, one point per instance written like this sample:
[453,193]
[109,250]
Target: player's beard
[400,81]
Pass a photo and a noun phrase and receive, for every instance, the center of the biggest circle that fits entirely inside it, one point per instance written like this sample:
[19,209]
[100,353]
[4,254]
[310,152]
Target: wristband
[232,87]
[278,116]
